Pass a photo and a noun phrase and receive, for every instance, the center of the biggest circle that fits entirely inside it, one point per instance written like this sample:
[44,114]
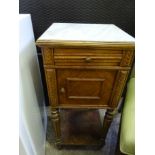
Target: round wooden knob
[88,59]
[62,90]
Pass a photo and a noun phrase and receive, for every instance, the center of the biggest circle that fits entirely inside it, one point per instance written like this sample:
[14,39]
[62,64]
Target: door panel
[91,88]
[85,87]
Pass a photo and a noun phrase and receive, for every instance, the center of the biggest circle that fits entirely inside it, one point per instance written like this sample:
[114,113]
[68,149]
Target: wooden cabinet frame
[62,58]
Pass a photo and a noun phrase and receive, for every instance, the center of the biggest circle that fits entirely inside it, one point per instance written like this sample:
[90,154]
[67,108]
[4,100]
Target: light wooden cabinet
[84,74]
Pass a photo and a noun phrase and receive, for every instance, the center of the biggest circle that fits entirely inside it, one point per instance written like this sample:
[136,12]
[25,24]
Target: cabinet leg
[107,122]
[56,126]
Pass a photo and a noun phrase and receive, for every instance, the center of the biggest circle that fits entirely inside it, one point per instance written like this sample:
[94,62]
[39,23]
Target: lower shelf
[81,128]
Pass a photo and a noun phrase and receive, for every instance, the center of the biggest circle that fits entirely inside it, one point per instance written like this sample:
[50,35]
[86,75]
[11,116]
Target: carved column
[106,123]
[56,125]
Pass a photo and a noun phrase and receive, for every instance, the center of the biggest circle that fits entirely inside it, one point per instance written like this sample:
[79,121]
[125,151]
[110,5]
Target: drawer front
[87,57]
[85,87]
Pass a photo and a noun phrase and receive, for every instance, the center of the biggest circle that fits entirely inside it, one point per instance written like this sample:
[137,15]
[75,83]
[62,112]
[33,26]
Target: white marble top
[85,32]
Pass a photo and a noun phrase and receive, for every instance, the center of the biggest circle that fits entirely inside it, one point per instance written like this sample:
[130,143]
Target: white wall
[31,132]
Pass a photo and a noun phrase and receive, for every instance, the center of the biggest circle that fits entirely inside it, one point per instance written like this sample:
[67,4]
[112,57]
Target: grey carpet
[107,149]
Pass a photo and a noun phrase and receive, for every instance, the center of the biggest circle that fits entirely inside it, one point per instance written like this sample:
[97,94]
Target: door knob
[62,90]
[88,59]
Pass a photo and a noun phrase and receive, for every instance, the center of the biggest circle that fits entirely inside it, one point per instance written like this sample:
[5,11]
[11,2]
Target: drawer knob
[62,90]
[88,59]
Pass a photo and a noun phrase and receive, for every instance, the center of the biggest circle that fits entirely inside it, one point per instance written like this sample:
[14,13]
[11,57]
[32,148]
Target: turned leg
[56,126]
[106,123]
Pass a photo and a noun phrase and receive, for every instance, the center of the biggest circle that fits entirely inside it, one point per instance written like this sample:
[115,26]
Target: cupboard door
[85,87]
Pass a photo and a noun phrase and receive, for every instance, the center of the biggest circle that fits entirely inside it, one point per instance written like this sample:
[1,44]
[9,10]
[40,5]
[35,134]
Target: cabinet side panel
[51,86]
[118,88]
[47,56]
[128,57]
